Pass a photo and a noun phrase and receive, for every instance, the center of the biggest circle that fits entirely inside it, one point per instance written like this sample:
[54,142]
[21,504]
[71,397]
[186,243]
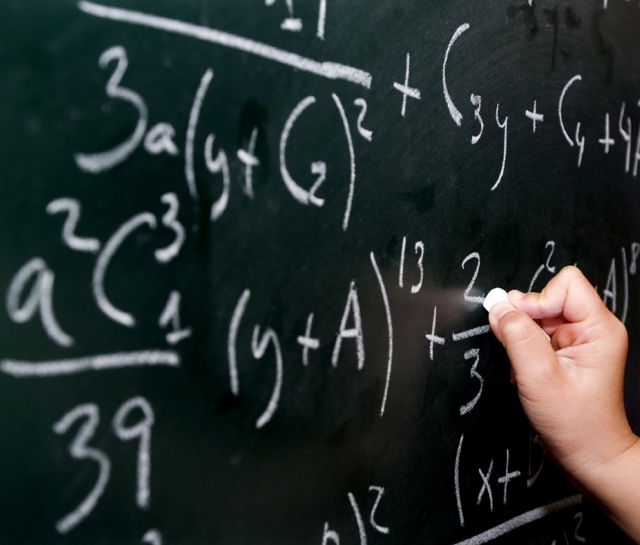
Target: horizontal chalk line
[521,520]
[475,332]
[330,70]
[103,362]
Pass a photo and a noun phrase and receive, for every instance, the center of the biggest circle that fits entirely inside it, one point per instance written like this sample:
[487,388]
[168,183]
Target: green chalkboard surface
[243,250]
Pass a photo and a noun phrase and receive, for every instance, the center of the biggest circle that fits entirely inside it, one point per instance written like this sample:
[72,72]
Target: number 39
[80,450]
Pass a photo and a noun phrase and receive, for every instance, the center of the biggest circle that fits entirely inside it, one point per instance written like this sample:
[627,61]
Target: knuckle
[571,273]
[515,325]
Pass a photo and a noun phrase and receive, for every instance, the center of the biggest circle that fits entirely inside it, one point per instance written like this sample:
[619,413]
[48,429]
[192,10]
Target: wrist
[603,459]
[614,485]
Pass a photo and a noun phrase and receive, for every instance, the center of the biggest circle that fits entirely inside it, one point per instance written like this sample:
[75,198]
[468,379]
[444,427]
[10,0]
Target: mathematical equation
[31,292]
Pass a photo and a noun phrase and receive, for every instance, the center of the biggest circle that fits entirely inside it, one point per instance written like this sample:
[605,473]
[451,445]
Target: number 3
[80,451]
[97,162]
[170,220]
[474,353]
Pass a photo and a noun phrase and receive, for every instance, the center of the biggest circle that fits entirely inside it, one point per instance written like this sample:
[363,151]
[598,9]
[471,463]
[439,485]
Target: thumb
[527,346]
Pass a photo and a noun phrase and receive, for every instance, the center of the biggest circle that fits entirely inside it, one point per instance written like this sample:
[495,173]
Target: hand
[572,387]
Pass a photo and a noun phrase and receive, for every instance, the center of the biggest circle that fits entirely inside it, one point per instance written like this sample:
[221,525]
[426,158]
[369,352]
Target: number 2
[72,207]
[467,297]
[365,133]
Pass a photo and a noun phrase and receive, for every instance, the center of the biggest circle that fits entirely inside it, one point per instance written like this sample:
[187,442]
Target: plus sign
[534,116]
[307,342]
[406,90]
[607,141]
[249,160]
[507,478]
[432,337]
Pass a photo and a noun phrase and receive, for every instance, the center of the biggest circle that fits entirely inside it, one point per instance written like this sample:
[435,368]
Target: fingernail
[500,309]
[516,295]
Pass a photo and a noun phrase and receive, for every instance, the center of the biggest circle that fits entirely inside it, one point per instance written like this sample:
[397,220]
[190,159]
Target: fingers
[568,294]
[527,346]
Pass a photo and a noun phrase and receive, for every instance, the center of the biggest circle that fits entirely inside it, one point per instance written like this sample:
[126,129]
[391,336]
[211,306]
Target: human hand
[572,387]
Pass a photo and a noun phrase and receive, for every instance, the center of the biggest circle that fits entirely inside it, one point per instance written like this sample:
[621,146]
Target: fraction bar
[475,332]
[103,362]
[330,70]
[521,520]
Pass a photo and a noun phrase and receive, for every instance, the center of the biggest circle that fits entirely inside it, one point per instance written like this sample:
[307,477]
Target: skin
[572,388]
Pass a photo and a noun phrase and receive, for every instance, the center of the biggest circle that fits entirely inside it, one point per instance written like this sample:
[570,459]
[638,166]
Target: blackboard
[244,247]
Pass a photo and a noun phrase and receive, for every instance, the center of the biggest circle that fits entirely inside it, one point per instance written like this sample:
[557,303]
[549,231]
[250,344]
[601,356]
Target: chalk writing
[432,337]
[72,207]
[376,526]
[560,107]
[211,293]
[299,194]
[170,220]
[473,354]
[248,158]
[328,70]
[534,115]
[40,299]
[352,308]
[486,487]
[290,23]
[522,520]
[102,362]
[104,260]
[607,141]
[626,135]
[453,111]
[160,139]
[385,300]
[476,100]
[152,537]
[171,316]
[216,166]
[352,161]
[419,248]
[234,325]
[79,450]
[142,432]
[405,90]
[307,342]
[365,133]
[322,18]
[503,125]
[467,293]
[258,348]
[194,116]
[99,162]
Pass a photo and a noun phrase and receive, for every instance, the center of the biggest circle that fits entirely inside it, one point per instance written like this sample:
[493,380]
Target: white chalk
[498,295]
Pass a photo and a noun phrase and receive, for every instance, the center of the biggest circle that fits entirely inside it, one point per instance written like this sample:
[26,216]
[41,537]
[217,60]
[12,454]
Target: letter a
[353,305]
